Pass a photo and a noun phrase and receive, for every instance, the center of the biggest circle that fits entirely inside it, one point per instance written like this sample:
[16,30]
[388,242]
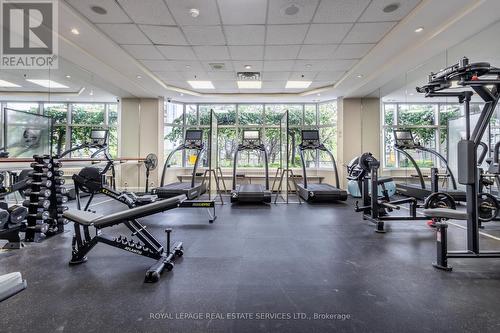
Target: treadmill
[405,142]
[255,193]
[193,140]
[318,192]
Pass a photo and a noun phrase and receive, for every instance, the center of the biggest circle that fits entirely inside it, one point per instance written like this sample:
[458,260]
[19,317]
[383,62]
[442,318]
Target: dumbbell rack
[44,199]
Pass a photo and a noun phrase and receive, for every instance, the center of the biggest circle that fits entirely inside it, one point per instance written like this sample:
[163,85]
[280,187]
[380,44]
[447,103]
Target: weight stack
[58,198]
[37,196]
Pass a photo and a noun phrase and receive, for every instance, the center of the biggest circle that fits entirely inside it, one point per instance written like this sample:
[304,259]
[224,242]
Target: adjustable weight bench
[146,245]
[439,216]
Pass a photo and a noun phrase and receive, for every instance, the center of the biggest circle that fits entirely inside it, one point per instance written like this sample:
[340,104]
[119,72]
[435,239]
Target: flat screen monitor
[98,134]
[403,137]
[252,135]
[194,135]
[310,135]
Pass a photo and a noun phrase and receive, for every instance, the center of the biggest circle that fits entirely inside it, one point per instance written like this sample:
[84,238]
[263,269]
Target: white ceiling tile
[241,52]
[278,65]
[170,76]
[286,34]
[114,13]
[323,65]
[327,33]
[340,11]
[317,51]
[329,76]
[352,51]
[278,10]
[239,66]
[147,11]
[245,34]
[209,15]
[281,52]
[225,76]
[186,66]
[375,13]
[228,65]
[368,32]
[177,52]
[194,75]
[164,35]
[197,35]
[212,52]
[275,76]
[320,84]
[158,65]
[243,11]
[178,84]
[302,76]
[143,52]
[124,33]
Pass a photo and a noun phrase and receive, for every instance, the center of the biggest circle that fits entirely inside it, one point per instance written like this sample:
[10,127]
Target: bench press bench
[147,245]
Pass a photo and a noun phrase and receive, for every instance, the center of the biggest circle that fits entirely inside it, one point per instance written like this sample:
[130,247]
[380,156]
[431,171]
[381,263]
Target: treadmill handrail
[441,157]
[169,157]
[410,158]
[322,148]
[260,148]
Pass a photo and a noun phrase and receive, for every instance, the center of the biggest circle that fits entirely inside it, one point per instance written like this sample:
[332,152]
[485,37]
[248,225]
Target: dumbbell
[43,173]
[45,182]
[17,214]
[61,190]
[42,193]
[41,165]
[39,227]
[42,215]
[62,199]
[59,181]
[4,218]
[58,173]
[40,203]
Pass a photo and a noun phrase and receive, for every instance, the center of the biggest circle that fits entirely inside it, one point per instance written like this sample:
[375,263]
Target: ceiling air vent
[217,66]
[248,76]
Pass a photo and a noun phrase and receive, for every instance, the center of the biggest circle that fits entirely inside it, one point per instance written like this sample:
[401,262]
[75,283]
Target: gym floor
[260,260]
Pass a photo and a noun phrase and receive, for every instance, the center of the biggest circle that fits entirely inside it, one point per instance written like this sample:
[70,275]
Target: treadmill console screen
[251,135]
[99,136]
[404,138]
[310,139]
[193,139]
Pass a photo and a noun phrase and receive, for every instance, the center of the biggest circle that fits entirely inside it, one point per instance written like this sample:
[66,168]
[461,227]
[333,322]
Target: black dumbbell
[42,193]
[42,215]
[40,203]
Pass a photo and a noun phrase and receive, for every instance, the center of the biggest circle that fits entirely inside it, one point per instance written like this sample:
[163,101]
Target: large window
[234,118]
[72,122]
[428,123]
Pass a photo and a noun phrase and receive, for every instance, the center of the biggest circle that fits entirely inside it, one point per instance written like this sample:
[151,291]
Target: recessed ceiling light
[99,10]
[48,83]
[297,84]
[181,94]
[248,67]
[7,84]
[188,67]
[68,76]
[194,12]
[291,10]
[359,76]
[91,93]
[308,65]
[249,84]
[75,31]
[201,84]
[411,94]
[318,94]
[419,29]
[390,8]
[139,77]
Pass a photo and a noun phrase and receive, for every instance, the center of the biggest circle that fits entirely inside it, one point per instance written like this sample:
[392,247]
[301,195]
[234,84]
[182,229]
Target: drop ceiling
[313,40]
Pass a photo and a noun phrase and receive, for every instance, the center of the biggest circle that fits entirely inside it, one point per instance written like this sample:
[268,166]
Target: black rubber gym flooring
[263,265]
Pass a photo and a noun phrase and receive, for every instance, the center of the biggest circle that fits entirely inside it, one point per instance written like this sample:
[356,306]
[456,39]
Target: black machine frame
[466,75]
[251,144]
[332,194]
